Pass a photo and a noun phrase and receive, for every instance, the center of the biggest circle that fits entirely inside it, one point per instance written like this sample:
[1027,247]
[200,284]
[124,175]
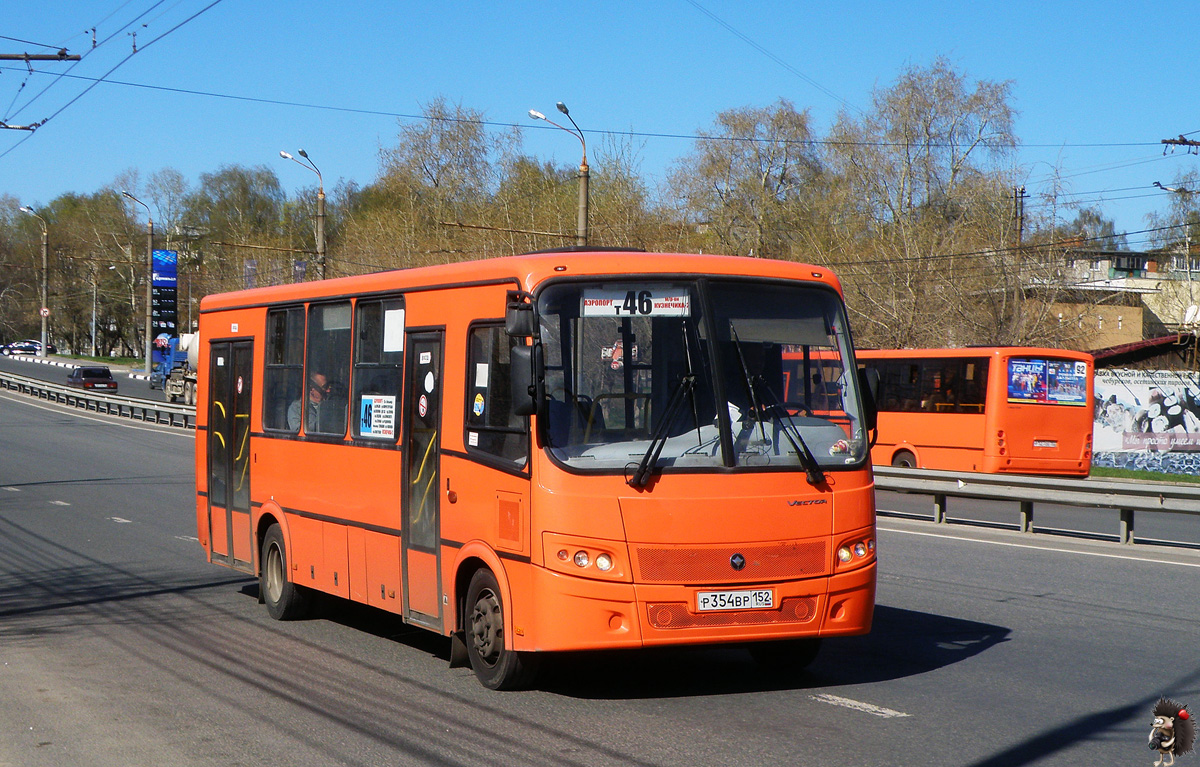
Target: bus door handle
[450,494]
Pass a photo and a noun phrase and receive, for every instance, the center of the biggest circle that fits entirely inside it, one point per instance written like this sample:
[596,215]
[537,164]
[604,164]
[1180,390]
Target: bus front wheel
[904,460]
[285,600]
[497,667]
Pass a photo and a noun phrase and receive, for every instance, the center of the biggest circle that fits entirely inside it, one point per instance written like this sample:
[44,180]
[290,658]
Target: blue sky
[1097,84]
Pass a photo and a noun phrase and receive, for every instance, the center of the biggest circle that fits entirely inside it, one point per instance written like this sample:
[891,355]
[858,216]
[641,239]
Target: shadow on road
[901,643]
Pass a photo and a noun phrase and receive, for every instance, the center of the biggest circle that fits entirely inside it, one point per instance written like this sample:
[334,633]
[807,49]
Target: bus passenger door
[230,376]
[421,526]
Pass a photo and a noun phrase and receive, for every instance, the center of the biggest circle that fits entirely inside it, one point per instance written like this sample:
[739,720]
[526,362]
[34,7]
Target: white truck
[180,383]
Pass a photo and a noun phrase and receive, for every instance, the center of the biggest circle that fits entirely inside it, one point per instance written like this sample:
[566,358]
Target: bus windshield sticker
[1047,382]
[481,375]
[473,438]
[393,330]
[477,407]
[378,416]
[619,302]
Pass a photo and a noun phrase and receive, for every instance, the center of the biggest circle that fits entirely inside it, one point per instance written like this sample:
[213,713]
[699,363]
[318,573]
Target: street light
[582,237]
[45,309]
[320,207]
[149,276]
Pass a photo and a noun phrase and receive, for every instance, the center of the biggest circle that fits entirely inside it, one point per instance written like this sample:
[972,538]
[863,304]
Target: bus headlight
[855,552]
[579,556]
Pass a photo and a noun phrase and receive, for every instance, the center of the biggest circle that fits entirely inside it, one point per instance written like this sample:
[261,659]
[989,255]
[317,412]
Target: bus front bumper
[582,614]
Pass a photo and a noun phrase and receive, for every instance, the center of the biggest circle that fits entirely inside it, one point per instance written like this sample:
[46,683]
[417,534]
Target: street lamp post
[44,311]
[581,237]
[320,207]
[149,341]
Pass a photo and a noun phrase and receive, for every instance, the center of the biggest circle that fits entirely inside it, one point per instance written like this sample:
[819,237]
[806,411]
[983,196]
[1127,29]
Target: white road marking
[121,520]
[857,705]
[59,503]
[189,538]
[13,489]
[1043,548]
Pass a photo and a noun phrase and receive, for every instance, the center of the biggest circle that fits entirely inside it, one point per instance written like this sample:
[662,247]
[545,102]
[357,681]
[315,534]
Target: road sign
[45,312]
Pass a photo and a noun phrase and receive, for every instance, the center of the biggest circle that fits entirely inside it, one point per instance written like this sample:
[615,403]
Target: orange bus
[1023,410]
[559,451]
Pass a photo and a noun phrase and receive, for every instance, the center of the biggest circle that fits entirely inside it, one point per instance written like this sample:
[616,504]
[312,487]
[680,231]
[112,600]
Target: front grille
[694,565]
[676,615]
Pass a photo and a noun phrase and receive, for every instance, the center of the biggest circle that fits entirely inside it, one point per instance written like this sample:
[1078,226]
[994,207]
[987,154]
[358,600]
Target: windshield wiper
[812,470]
[645,467]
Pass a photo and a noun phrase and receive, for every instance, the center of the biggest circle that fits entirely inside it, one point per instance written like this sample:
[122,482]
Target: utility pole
[1019,219]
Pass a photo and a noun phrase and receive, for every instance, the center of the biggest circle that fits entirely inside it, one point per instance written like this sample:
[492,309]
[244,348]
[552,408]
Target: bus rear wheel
[285,600]
[497,667]
[904,460]
[786,655]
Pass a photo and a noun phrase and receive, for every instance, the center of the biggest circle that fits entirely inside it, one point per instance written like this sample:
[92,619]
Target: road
[120,646]
[57,373]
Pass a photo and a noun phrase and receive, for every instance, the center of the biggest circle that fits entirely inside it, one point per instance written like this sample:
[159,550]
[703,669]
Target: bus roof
[973,351]
[527,271]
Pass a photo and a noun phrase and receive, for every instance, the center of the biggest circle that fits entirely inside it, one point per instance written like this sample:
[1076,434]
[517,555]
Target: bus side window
[378,369]
[283,379]
[491,427]
[329,356]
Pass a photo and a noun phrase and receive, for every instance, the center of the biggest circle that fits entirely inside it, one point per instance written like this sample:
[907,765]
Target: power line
[115,67]
[772,56]
[601,132]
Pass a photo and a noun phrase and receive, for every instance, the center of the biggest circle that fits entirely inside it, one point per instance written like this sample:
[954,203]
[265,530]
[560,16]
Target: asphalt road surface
[120,646]
[56,369]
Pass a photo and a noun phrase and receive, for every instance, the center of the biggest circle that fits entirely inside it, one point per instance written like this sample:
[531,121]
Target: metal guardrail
[1126,497]
[163,413]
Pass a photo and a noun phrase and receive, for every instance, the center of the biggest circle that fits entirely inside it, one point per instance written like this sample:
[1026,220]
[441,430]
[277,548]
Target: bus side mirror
[527,381]
[868,383]
[519,320]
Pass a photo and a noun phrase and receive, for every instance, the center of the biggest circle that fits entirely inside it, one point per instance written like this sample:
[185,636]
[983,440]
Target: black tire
[904,460]
[285,600]
[786,655]
[497,667]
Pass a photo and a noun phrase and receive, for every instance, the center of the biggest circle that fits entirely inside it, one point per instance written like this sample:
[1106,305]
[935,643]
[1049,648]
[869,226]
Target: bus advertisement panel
[552,452]
[1059,382]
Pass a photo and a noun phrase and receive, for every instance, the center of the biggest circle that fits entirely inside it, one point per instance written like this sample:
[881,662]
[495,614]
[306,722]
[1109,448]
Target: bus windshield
[692,374]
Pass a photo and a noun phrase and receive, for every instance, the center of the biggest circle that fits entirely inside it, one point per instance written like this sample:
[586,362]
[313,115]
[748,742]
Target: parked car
[92,378]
